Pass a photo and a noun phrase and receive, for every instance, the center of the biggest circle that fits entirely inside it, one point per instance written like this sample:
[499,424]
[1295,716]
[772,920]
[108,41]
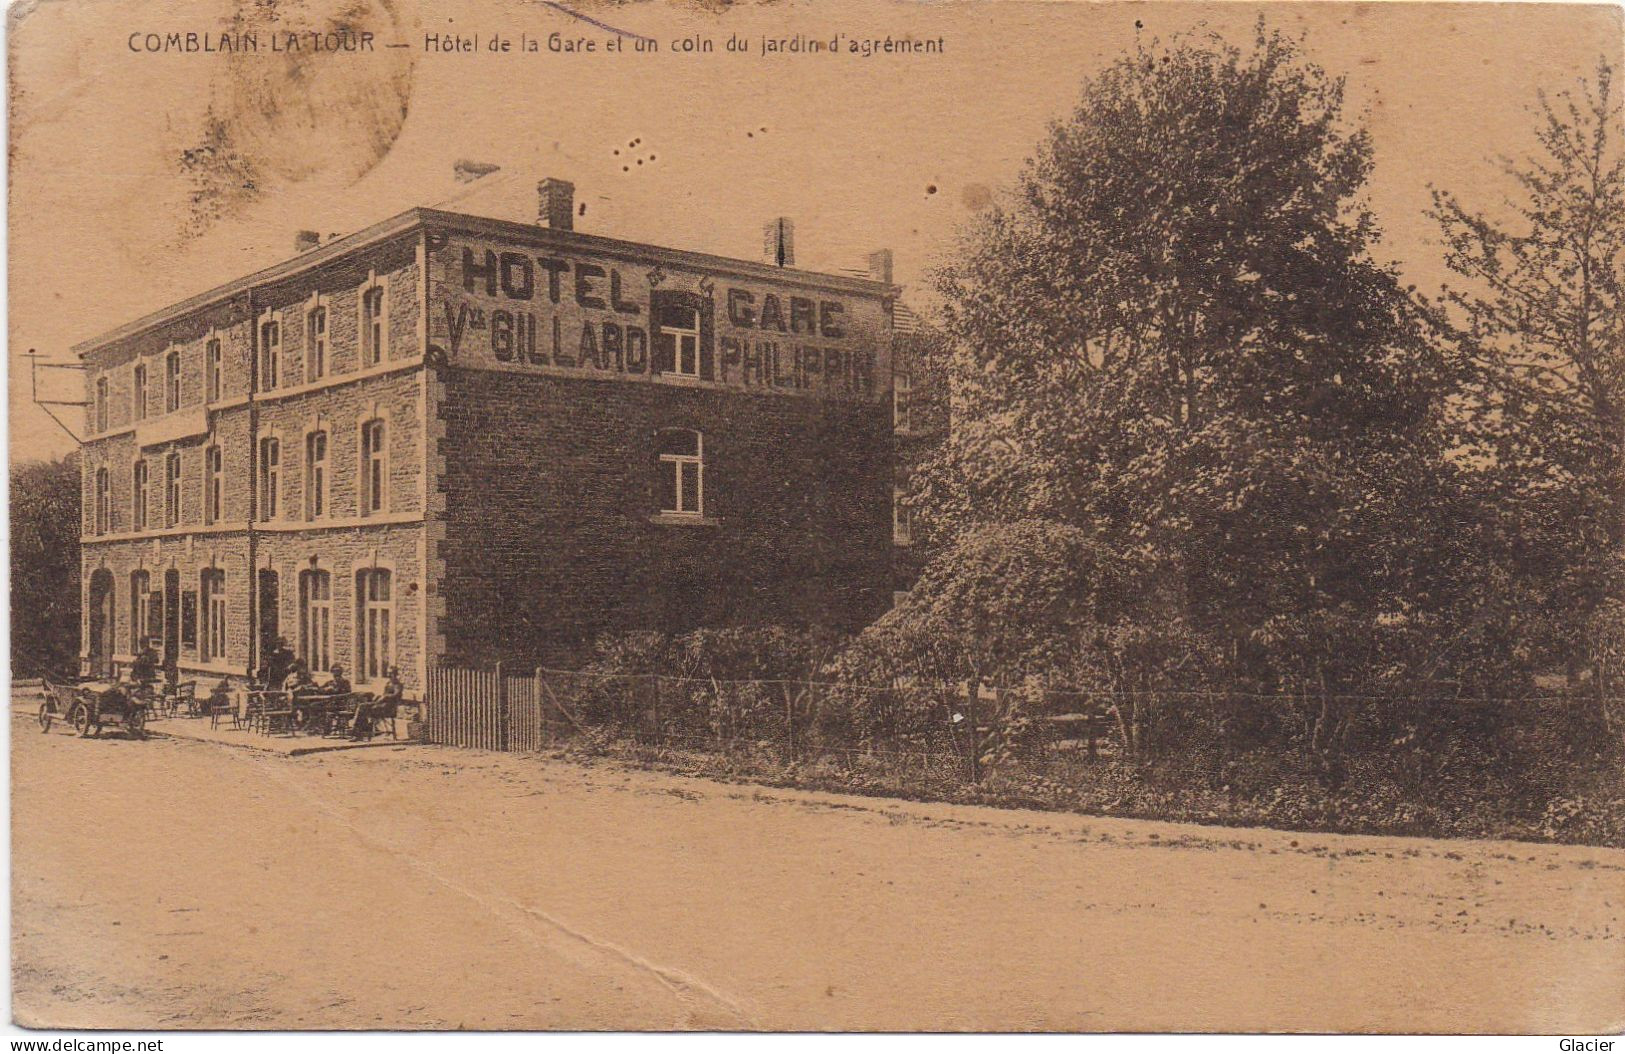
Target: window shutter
[662,348]
[707,338]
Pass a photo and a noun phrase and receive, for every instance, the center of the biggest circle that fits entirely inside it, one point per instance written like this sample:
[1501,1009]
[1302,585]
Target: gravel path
[170,884]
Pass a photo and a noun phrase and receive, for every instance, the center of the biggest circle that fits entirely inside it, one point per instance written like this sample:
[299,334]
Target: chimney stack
[468,171]
[880,266]
[779,242]
[556,204]
[304,241]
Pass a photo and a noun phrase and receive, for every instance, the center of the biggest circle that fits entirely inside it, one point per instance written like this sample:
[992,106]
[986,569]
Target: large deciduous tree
[1174,335]
[1540,311]
[45,567]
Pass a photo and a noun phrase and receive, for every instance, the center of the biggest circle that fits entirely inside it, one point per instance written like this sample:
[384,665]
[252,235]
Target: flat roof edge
[414,218]
[695,260]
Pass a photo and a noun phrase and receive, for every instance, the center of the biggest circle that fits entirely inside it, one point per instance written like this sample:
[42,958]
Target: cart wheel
[45,717]
[136,724]
[81,719]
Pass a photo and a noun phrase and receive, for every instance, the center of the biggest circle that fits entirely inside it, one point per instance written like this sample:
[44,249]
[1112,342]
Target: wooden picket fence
[491,709]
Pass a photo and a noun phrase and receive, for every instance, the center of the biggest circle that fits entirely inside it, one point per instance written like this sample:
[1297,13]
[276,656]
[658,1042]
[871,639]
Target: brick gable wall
[549,490]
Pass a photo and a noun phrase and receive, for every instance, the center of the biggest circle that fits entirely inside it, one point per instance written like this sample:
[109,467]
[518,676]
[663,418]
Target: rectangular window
[372,467]
[216,367]
[103,508]
[315,475]
[374,644]
[372,325]
[138,393]
[138,496]
[270,353]
[189,619]
[212,644]
[902,517]
[213,486]
[682,473]
[316,619]
[101,404]
[172,382]
[140,610]
[902,389]
[172,488]
[270,476]
[316,343]
[679,338]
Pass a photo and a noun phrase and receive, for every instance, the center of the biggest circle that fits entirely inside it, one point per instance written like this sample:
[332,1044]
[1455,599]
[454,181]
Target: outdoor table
[265,704]
[313,710]
[342,710]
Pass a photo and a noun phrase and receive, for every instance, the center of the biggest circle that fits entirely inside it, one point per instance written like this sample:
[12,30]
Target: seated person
[219,697]
[371,711]
[298,678]
[337,684]
[144,670]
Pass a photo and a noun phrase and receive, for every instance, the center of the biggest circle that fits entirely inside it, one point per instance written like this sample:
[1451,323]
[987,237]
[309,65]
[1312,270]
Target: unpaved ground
[170,884]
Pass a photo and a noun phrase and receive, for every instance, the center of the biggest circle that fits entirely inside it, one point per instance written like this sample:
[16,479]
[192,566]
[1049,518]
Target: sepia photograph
[780,517]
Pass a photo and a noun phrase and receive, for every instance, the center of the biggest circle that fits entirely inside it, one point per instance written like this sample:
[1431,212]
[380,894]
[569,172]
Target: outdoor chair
[149,695]
[222,707]
[267,710]
[383,711]
[183,699]
[341,712]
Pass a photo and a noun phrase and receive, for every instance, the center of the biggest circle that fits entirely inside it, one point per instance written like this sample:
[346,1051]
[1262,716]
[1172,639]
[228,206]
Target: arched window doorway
[101,623]
[270,601]
[374,624]
[316,619]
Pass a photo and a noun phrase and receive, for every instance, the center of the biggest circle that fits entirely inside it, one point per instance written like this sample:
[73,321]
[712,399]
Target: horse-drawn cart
[87,707]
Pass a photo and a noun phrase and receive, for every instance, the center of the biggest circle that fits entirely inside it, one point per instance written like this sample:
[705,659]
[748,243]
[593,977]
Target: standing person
[172,671]
[278,663]
[144,670]
[300,687]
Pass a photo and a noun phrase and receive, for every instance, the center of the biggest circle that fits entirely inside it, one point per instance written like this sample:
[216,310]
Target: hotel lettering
[516,309]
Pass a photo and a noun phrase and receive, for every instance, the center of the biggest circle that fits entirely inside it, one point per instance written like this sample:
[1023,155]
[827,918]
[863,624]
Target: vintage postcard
[884,516]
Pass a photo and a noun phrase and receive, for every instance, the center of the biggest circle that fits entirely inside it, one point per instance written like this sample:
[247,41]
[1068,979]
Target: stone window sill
[677,519]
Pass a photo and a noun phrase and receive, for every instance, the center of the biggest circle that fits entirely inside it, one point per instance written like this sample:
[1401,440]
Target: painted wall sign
[498,306]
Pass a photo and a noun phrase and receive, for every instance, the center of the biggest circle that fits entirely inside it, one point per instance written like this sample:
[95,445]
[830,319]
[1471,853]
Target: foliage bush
[737,703]
[45,506]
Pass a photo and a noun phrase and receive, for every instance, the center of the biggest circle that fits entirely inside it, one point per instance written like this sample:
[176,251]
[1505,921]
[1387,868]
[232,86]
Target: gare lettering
[586,318]
[515,275]
[805,317]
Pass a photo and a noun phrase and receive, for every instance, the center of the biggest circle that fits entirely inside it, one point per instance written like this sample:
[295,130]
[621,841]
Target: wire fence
[944,732]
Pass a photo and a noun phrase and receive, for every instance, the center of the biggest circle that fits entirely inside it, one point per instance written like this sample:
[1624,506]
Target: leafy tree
[925,355]
[1173,335]
[1025,604]
[45,567]
[1541,340]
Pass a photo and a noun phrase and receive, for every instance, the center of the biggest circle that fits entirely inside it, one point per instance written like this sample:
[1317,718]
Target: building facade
[448,438]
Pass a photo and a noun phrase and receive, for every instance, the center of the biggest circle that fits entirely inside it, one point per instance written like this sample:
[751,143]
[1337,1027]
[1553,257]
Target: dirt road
[168,884]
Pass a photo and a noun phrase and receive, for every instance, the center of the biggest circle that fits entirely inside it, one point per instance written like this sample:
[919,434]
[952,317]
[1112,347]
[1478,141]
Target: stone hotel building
[448,438]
